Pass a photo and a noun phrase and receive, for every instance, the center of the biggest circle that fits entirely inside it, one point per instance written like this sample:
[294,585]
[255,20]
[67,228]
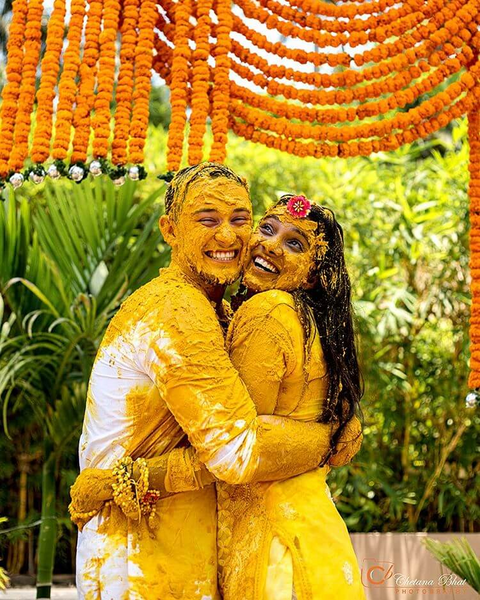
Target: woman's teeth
[264,265]
[222,256]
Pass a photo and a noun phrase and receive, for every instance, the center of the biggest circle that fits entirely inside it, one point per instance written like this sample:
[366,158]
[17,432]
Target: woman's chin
[258,282]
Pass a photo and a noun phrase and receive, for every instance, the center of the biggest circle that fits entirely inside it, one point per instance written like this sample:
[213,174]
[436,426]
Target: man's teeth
[223,256]
[265,265]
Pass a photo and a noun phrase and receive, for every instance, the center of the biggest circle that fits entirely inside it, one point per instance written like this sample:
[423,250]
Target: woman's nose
[272,247]
[225,236]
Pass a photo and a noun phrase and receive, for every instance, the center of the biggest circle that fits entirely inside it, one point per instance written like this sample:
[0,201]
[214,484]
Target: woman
[293,344]
[179,471]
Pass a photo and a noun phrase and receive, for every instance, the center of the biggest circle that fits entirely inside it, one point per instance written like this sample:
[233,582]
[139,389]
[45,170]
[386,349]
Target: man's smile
[222,255]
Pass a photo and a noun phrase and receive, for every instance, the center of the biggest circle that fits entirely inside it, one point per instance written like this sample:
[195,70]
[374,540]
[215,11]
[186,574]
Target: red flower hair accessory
[299,206]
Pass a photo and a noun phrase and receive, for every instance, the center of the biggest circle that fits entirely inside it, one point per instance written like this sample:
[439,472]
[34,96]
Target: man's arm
[190,366]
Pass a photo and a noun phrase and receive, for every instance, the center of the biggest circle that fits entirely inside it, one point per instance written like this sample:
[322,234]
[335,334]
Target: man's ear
[168,229]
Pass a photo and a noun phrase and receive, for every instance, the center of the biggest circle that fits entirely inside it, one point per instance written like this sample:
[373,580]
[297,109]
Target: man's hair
[178,187]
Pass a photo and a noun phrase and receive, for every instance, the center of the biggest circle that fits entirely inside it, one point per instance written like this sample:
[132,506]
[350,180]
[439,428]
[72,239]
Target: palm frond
[459,557]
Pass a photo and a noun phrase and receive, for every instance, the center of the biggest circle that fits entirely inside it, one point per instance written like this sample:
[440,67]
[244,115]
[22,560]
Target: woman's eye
[207,221]
[266,228]
[296,244]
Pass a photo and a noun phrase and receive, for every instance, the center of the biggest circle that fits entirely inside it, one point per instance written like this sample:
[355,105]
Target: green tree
[75,256]
[405,217]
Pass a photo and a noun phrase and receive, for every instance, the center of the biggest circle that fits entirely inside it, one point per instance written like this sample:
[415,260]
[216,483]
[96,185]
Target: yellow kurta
[161,372]
[284,537]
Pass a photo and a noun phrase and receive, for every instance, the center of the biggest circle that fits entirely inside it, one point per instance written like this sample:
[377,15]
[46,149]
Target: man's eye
[240,220]
[207,221]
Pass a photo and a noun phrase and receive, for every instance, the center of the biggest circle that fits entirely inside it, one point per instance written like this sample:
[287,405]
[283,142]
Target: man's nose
[225,236]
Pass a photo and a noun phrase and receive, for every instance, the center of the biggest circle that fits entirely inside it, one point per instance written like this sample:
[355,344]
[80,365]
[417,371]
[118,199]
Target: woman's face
[281,253]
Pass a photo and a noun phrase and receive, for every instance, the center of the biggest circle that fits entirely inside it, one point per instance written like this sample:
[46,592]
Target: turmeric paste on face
[282,252]
[210,237]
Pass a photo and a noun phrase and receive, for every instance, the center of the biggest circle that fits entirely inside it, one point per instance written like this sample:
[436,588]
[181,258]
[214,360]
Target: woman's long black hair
[328,306]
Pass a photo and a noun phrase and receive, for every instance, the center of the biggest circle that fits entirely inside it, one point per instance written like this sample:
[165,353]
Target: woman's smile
[264,264]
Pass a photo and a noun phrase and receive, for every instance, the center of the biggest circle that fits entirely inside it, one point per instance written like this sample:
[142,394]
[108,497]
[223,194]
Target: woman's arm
[211,403]
[202,389]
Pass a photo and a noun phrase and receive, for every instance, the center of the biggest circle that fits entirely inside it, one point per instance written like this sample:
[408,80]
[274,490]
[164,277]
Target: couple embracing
[208,436]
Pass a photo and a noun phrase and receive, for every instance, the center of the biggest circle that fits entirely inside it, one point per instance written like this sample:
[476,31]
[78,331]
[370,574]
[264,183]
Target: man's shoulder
[164,302]
[143,297]
[161,291]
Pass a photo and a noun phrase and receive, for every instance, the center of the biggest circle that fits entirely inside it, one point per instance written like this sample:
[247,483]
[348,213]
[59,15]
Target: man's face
[213,229]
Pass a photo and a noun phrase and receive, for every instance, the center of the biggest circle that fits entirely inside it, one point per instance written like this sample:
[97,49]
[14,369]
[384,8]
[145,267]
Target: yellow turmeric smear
[153,428]
[269,242]
[129,313]
[216,216]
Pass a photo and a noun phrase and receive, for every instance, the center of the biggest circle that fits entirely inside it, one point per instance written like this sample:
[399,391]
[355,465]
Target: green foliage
[459,557]
[70,254]
[405,218]
[86,247]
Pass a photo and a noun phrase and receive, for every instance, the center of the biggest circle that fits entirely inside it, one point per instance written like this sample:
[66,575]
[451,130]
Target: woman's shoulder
[275,306]
[271,302]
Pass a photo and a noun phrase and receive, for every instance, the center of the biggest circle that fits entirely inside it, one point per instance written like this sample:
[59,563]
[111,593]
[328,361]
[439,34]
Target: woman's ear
[168,229]
[312,280]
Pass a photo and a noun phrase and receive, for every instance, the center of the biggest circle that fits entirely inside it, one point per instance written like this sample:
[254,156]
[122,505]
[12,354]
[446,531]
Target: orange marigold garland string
[46,92]
[178,85]
[67,87]
[105,85]
[474,193]
[33,32]
[85,93]
[221,81]
[200,82]
[124,91]
[11,90]
[141,94]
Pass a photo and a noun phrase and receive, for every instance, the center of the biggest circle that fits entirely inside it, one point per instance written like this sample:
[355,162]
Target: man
[162,374]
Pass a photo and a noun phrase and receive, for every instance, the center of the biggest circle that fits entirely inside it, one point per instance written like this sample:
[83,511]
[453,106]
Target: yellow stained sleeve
[280,456]
[176,471]
[210,402]
[185,472]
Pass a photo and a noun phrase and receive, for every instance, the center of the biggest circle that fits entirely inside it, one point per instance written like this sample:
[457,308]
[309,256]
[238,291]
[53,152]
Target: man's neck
[215,292]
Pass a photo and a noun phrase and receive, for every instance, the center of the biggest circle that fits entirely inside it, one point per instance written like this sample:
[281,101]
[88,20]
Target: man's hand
[92,488]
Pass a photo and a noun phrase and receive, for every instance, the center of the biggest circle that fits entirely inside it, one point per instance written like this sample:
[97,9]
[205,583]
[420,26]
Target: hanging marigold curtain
[346,79]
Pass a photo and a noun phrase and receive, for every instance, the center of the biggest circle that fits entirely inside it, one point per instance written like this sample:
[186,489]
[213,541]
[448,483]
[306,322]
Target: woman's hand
[348,445]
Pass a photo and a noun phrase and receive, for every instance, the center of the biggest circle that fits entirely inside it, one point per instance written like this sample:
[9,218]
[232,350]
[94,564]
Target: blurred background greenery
[71,253]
